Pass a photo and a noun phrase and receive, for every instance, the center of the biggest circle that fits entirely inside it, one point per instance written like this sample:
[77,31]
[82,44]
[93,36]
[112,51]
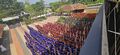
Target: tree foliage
[35,9]
[86,1]
[73,1]
[39,7]
[56,5]
[10,8]
[29,9]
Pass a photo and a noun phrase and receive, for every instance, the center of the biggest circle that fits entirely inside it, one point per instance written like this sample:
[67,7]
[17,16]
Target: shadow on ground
[6,43]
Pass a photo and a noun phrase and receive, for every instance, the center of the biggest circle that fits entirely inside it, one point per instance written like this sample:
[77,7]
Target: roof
[72,7]
[78,15]
[10,18]
[89,13]
[82,15]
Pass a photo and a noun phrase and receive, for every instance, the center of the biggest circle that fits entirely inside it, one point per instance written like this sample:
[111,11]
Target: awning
[9,18]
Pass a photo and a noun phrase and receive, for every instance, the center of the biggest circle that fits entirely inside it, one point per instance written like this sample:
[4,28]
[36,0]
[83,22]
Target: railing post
[104,35]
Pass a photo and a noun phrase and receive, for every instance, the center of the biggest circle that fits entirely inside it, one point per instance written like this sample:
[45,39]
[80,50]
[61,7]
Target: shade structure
[10,18]
[78,15]
[72,7]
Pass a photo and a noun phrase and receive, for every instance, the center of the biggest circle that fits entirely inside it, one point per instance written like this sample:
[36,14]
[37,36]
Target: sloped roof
[72,7]
[10,18]
[82,15]
[89,13]
[78,6]
[78,15]
[66,8]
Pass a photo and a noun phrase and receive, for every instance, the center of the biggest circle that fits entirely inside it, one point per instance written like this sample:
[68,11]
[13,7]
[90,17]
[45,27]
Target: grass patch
[61,20]
[38,19]
[42,18]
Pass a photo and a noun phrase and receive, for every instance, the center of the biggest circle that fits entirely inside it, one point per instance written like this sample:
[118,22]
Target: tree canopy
[13,8]
[85,1]
[35,9]
[10,8]
[56,5]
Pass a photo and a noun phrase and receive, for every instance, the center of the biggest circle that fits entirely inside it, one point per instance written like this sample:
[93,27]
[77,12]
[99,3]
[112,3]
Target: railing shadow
[5,41]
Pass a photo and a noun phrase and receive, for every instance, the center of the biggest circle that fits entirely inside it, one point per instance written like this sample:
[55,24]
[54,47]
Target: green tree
[39,7]
[91,1]
[18,7]
[100,1]
[86,1]
[10,8]
[28,8]
[35,9]
[56,5]
[73,1]
[5,4]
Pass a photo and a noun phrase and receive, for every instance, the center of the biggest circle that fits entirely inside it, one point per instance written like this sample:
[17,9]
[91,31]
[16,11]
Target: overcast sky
[34,1]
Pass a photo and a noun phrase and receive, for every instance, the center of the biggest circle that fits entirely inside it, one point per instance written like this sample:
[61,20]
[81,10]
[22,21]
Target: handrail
[93,43]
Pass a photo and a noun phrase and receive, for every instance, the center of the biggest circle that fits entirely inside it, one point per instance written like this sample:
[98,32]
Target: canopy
[9,18]
[72,7]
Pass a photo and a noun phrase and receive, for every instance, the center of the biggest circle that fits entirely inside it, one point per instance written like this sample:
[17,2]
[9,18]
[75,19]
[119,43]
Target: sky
[34,1]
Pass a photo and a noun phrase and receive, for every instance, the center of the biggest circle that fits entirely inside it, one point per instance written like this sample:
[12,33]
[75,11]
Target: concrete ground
[51,19]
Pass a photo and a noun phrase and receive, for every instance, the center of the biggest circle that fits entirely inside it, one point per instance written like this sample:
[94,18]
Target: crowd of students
[40,44]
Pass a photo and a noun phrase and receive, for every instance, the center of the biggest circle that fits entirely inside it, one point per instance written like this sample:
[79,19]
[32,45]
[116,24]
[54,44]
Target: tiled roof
[73,7]
[78,15]
[89,13]
[82,15]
